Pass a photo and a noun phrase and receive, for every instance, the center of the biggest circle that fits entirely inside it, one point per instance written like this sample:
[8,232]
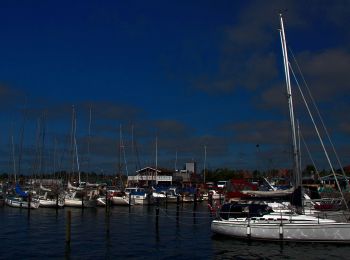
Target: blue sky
[193,73]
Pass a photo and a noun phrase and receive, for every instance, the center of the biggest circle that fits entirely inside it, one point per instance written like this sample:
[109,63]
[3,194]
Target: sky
[183,76]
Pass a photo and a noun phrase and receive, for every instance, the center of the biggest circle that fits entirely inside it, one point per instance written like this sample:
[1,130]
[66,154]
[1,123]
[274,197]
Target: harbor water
[137,233]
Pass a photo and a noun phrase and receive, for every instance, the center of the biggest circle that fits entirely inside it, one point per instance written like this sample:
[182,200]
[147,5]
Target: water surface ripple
[135,234]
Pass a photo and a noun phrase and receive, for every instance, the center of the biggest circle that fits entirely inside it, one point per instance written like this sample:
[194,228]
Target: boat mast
[175,161]
[88,144]
[156,175]
[205,161]
[76,150]
[296,167]
[13,158]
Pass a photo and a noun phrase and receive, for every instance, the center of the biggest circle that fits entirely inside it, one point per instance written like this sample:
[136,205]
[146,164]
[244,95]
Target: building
[187,175]
[149,176]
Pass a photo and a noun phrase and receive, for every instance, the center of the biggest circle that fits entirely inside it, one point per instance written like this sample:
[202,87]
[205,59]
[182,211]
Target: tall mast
[76,149]
[88,144]
[296,168]
[13,158]
[156,159]
[72,142]
[120,149]
[175,161]
[205,161]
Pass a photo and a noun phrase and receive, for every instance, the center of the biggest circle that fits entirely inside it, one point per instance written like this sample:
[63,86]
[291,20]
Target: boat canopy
[20,192]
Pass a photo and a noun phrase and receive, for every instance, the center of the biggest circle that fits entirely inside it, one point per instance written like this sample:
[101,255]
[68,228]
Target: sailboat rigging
[257,221]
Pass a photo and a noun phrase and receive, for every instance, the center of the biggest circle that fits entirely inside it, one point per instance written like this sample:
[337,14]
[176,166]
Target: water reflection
[132,233]
[230,248]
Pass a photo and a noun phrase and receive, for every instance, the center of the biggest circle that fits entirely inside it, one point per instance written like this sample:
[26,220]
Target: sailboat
[16,197]
[21,199]
[80,196]
[258,222]
[50,198]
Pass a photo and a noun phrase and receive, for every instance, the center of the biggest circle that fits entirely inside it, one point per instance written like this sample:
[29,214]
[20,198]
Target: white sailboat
[250,222]
[21,199]
[120,198]
[16,197]
[80,196]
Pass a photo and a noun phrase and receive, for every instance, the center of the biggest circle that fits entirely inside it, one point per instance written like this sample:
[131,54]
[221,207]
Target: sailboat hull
[121,201]
[80,204]
[303,232]
[19,203]
[47,203]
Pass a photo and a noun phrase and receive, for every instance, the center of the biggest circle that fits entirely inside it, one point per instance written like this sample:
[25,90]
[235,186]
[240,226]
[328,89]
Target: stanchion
[194,201]
[68,227]
[57,205]
[210,199]
[29,203]
[107,202]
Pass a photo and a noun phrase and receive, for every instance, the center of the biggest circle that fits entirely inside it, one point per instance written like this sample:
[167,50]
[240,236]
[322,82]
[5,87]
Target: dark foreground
[134,234]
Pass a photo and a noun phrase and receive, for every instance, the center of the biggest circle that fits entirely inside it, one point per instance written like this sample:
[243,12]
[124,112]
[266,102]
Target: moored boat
[80,199]
[259,222]
[139,196]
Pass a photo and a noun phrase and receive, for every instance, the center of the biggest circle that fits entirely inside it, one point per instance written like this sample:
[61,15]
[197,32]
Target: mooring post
[107,222]
[157,211]
[166,200]
[107,202]
[210,198]
[82,200]
[68,227]
[178,200]
[194,201]
[29,202]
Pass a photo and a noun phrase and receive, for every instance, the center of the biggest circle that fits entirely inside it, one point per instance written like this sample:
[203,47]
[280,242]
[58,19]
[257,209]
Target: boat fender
[249,231]
[281,231]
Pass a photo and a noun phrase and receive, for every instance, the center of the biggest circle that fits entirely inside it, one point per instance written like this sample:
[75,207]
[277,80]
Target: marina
[133,233]
[175,130]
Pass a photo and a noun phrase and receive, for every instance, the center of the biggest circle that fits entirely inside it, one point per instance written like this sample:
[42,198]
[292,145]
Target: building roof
[148,169]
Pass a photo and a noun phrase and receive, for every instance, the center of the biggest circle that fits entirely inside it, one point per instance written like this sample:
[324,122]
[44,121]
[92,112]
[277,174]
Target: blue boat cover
[20,192]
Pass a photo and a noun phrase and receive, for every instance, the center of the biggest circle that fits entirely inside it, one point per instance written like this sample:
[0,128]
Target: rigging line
[308,151]
[134,151]
[318,134]
[21,137]
[36,158]
[183,211]
[171,217]
[120,150]
[124,155]
[299,148]
[320,117]
[42,144]
[13,158]
[72,140]
[76,150]
[88,144]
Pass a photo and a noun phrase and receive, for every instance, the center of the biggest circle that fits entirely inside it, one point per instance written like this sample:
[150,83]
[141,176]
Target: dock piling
[29,203]
[107,202]
[157,211]
[68,227]
[194,201]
